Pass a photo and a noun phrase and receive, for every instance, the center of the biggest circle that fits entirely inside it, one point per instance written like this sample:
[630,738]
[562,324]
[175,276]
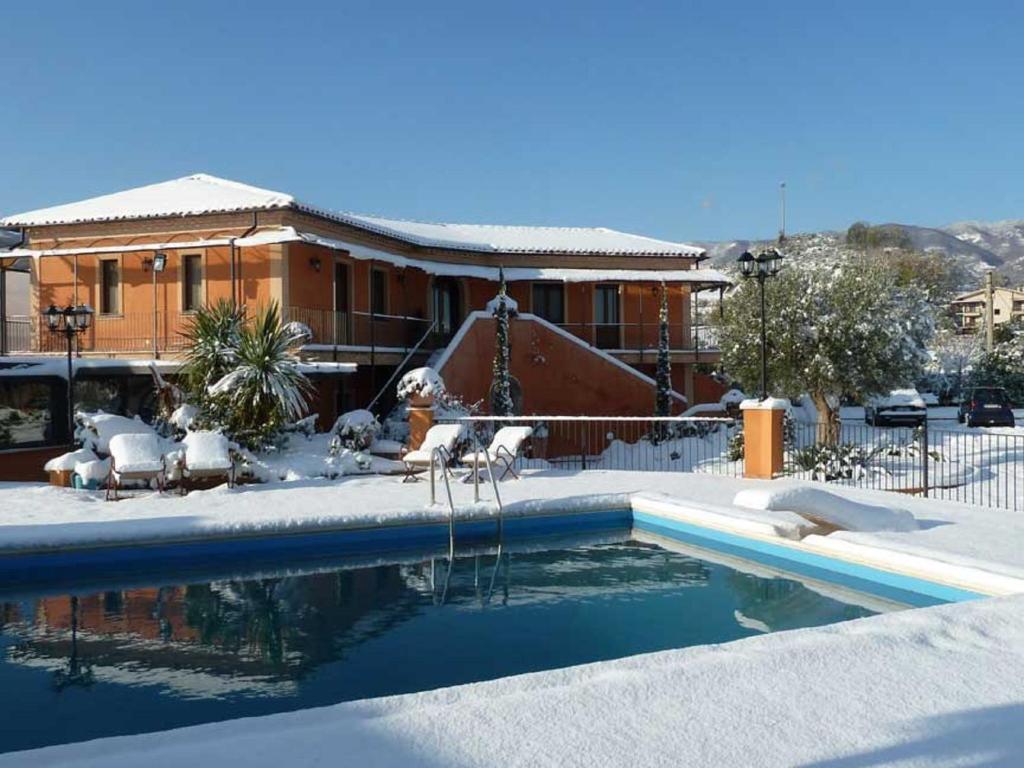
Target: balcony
[137,333]
[642,338]
[361,330]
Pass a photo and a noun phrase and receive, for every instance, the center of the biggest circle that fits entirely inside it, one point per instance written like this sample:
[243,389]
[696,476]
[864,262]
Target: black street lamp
[764,265]
[69,322]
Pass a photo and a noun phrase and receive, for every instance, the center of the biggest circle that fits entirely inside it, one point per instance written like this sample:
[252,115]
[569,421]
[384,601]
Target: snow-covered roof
[204,194]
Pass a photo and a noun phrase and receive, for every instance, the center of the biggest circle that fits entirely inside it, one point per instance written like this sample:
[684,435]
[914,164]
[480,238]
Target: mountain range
[977,246]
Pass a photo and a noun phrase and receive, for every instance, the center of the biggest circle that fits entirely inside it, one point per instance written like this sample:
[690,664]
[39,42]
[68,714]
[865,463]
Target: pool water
[160,651]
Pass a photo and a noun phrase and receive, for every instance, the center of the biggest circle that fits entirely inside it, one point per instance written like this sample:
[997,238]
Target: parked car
[986,407]
[900,408]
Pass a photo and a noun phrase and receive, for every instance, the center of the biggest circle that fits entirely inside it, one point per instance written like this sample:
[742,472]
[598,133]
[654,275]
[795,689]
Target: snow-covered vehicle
[900,408]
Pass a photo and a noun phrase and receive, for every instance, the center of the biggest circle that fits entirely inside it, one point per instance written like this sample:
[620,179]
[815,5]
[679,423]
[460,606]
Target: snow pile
[356,430]
[183,417]
[133,452]
[424,382]
[207,451]
[768,404]
[804,410]
[94,472]
[67,461]
[898,397]
[98,429]
[821,506]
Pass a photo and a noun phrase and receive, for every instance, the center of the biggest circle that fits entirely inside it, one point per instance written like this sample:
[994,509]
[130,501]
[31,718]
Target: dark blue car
[986,407]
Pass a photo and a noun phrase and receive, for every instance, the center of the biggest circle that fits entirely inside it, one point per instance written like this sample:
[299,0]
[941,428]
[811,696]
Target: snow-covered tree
[663,372]
[847,329]
[1002,366]
[501,388]
[952,357]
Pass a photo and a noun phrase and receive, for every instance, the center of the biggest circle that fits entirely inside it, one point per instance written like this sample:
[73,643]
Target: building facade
[969,308]
[383,294]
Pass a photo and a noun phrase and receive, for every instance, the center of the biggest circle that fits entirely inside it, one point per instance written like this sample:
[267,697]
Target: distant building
[969,308]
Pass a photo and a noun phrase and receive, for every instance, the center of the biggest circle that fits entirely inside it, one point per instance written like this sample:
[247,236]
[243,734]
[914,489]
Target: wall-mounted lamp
[314,262]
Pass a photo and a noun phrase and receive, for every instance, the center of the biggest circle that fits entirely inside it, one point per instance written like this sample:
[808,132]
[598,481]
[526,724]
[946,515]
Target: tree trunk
[828,419]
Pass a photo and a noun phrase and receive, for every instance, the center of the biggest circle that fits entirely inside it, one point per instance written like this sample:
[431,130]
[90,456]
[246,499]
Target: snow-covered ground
[938,686]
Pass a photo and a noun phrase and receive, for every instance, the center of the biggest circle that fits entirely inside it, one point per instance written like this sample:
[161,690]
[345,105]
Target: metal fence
[674,444]
[971,465]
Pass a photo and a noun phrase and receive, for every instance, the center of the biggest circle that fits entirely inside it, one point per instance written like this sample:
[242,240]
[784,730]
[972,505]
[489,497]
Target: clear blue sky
[673,119]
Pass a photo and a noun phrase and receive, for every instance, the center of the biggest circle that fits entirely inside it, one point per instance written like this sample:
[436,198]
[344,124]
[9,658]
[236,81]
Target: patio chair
[207,455]
[441,438]
[504,448]
[136,457]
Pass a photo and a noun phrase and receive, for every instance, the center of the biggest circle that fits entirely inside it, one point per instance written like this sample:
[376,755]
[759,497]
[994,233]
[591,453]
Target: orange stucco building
[382,294]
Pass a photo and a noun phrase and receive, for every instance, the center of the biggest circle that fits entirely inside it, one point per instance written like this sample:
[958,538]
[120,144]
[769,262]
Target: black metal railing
[674,444]
[362,329]
[970,465]
[643,337]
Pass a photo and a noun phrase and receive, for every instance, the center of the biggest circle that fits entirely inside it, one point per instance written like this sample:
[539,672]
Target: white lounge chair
[441,438]
[504,448]
[207,455]
[136,457]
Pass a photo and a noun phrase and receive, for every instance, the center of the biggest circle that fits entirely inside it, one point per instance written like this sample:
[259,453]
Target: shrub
[264,388]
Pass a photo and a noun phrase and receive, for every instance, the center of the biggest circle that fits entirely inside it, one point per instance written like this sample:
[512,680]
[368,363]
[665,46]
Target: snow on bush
[95,430]
[827,507]
[300,332]
[183,417]
[511,305]
[732,398]
[355,430]
[422,382]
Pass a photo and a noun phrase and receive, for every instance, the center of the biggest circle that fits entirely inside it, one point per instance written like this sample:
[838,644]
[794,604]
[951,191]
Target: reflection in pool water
[132,658]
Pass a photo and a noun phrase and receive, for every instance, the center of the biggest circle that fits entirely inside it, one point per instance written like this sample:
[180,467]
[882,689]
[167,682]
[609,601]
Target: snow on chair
[207,455]
[505,447]
[441,438]
[136,457]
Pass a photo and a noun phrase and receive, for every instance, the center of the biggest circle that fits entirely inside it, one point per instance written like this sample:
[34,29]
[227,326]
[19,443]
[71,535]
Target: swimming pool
[110,654]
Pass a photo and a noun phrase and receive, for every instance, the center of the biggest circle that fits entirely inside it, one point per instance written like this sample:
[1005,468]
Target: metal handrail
[401,365]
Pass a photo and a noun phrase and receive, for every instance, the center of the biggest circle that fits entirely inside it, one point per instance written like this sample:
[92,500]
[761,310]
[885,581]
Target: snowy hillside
[978,246]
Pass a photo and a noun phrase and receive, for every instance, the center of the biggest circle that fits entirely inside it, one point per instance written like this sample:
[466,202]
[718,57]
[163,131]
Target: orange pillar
[421,418]
[762,438]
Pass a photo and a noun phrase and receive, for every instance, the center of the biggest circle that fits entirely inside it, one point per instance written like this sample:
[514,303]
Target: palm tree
[264,389]
[213,337]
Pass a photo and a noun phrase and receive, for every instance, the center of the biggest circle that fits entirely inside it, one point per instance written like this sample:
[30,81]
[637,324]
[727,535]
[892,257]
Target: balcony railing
[130,332]
[643,337]
[361,329]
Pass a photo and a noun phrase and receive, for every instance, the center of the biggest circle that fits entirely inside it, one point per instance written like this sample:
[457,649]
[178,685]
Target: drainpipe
[236,274]
[3,296]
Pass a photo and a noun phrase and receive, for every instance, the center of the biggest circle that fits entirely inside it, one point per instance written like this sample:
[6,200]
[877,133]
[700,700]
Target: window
[30,413]
[110,287]
[549,302]
[192,283]
[378,292]
[606,316]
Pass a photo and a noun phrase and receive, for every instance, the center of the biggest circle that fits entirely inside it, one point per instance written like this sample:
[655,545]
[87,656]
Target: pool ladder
[442,456]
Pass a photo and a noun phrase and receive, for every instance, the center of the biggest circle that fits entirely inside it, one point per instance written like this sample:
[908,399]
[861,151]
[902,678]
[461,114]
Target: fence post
[924,454]
[762,437]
